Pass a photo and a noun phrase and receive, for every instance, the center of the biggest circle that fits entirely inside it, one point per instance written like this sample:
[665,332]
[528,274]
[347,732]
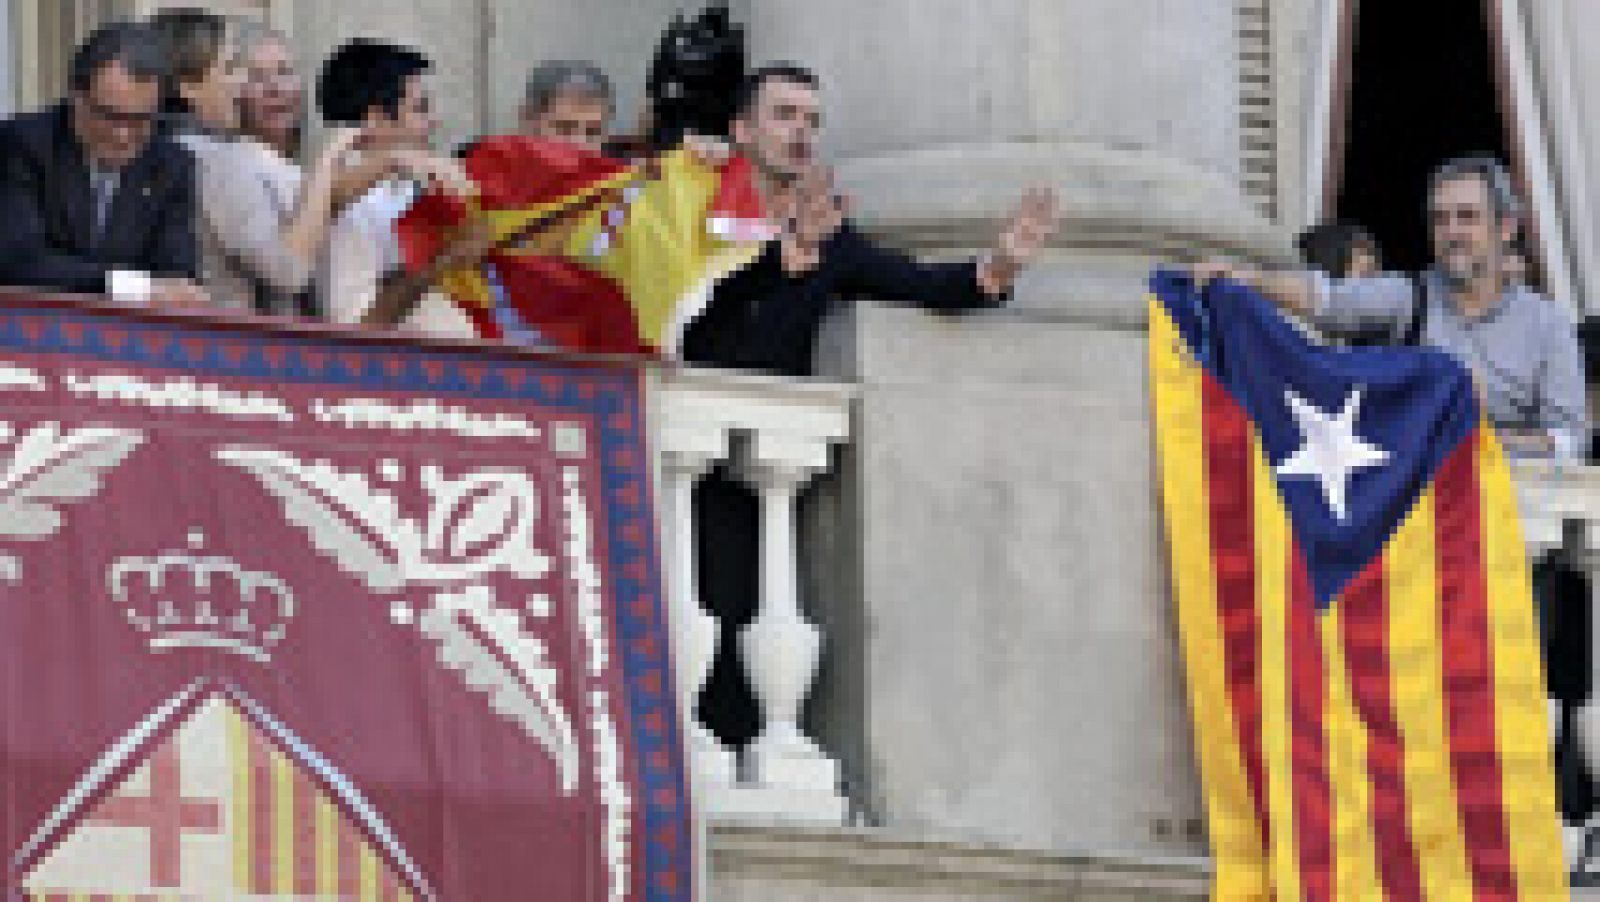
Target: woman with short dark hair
[1341,250]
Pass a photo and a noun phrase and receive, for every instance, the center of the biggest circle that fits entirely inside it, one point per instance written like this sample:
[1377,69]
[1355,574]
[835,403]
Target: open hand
[712,153]
[1031,224]
[809,213]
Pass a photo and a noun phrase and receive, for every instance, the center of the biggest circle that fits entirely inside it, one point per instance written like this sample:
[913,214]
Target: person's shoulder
[33,131]
[203,148]
[1542,308]
[174,151]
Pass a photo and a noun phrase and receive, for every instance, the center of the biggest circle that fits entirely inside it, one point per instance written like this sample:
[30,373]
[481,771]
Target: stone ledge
[1113,199]
[781,862]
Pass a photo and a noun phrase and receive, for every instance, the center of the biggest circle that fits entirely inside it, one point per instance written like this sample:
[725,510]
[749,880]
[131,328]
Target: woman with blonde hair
[272,96]
[263,219]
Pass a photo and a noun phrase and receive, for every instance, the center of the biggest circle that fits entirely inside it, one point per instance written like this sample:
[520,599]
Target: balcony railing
[1561,511]
[775,436]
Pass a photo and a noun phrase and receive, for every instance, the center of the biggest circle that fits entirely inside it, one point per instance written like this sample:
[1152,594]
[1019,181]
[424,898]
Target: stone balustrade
[1561,509]
[776,436]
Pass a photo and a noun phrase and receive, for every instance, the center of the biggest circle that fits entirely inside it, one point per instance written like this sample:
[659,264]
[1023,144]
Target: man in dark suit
[767,316]
[93,198]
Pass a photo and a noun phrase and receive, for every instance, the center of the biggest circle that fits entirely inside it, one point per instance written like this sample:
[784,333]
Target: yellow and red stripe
[1391,746]
[595,254]
[291,837]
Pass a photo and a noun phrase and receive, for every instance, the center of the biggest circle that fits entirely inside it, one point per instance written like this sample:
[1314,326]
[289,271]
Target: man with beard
[1521,347]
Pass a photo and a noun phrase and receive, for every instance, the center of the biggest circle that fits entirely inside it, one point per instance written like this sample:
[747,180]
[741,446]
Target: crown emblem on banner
[187,599]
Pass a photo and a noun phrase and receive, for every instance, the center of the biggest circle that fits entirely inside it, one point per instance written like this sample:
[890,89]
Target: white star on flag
[1330,451]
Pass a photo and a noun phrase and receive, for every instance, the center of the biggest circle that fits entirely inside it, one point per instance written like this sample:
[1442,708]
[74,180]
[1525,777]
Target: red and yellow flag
[1356,615]
[599,255]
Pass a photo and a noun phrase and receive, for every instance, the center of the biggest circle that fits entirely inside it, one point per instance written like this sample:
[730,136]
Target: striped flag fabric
[1356,615]
[594,255]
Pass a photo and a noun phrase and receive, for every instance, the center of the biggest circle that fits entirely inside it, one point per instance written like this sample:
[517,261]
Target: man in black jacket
[93,199]
[766,317]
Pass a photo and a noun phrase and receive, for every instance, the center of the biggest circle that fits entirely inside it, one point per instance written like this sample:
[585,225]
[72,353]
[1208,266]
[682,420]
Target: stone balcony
[780,825]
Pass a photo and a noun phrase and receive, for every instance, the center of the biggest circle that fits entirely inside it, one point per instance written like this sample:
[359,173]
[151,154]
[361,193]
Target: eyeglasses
[1461,215]
[114,116]
[278,77]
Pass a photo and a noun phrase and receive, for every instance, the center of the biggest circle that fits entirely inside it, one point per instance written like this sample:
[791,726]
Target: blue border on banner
[610,394]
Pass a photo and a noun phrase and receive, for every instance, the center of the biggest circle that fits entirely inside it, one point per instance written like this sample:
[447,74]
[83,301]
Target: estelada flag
[1356,615]
[597,255]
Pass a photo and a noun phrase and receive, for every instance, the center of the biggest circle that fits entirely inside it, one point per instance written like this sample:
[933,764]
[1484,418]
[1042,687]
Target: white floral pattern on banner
[20,378]
[181,393]
[478,525]
[47,467]
[586,580]
[425,415]
[488,647]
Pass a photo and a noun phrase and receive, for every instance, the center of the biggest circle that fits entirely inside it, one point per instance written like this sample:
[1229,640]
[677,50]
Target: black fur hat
[695,76]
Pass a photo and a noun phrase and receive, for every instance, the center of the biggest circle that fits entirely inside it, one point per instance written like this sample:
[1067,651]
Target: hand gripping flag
[591,254]
[1354,603]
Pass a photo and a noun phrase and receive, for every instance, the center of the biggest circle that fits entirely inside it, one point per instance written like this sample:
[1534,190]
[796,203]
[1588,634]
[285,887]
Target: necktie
[104,186]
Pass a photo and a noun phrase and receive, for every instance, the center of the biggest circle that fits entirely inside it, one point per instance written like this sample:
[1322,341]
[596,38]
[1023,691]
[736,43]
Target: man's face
[571,116]
[1467,237]
[779,132]
[412,125]
[271,100]
[115,118]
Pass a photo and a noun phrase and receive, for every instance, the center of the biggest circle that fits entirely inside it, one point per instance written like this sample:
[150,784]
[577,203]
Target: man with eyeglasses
[93,198]
[1521,347]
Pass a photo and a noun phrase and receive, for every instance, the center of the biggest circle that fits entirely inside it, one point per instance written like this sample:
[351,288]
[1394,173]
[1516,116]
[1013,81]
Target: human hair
[192,39]
[1330,247]
[133,44]
[750,90]
[249,35]
[551,79]
[363,74]
[1503,197]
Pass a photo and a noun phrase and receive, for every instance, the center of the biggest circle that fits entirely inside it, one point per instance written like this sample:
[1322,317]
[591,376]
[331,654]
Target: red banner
[311,615]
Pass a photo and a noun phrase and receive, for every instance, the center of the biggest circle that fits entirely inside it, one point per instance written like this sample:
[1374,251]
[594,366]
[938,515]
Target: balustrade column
[686,456]
[784,433]
[780,648]
[1561,512]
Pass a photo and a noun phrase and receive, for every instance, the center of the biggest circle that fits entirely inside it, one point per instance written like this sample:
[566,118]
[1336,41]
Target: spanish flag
[592,254]
[1356,616]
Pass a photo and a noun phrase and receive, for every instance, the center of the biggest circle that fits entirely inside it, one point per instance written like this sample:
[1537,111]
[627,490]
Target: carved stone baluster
[686,455]
[780,649]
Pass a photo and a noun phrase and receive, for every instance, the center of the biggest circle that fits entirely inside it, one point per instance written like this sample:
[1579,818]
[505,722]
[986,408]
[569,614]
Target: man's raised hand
[1031,225]
[809,212]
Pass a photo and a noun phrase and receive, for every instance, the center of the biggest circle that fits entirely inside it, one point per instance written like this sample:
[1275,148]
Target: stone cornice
[1114,199]
[840,858]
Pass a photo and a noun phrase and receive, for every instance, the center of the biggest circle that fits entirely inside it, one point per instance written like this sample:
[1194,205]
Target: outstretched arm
[1295,292]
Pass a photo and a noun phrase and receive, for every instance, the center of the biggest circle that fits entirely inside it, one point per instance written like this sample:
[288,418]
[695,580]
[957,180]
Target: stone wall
[1002,663]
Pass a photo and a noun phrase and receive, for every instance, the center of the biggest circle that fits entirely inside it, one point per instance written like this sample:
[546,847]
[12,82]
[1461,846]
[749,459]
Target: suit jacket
[762,319]
[47,209]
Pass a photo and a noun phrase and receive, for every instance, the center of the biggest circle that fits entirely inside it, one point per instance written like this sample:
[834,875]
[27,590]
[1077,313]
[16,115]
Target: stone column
[1017,676]
[941,111]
